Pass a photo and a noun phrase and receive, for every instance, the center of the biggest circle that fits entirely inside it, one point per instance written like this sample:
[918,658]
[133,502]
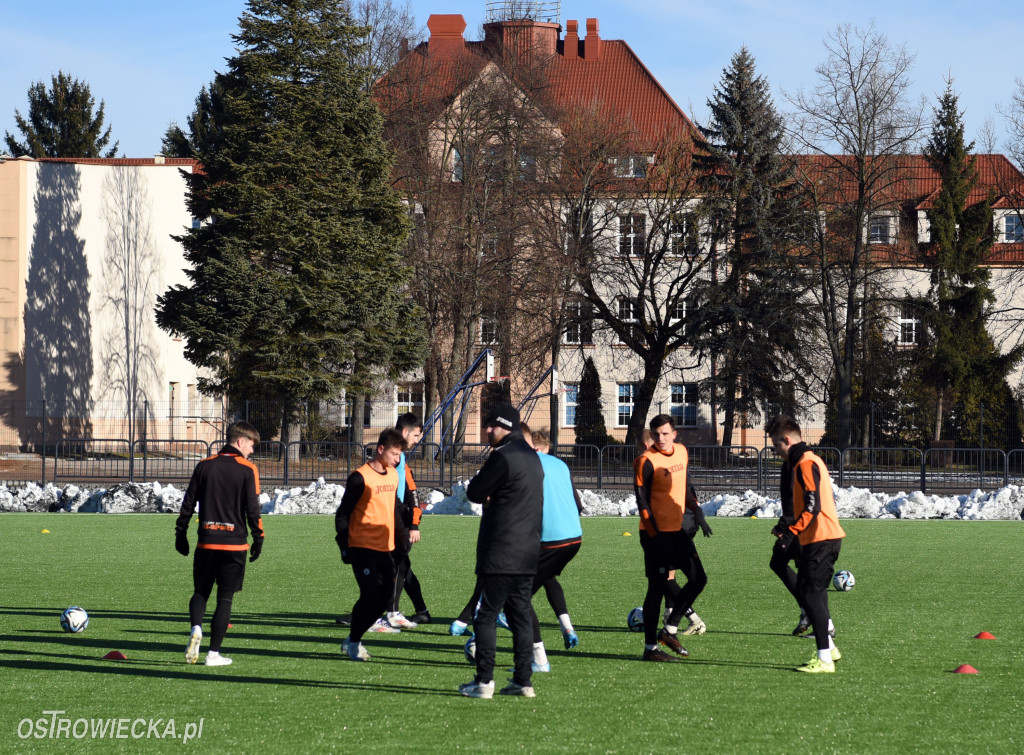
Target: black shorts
[665,552]
[815,563]
[225,568]
[552,561]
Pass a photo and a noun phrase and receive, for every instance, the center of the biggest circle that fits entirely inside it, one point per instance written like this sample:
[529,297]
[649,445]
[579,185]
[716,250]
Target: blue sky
[147,61]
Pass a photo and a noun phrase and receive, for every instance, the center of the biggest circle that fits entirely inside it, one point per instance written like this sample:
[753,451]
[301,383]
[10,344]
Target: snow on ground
[323,498]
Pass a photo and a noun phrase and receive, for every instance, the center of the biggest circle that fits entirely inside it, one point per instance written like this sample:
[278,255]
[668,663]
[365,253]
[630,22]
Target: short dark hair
[242,429]
[541,438]
[408,421]
[783,424]
[391,438]
[661,419]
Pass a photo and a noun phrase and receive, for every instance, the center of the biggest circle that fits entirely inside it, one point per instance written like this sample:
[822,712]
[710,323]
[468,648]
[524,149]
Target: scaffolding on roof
[543,11]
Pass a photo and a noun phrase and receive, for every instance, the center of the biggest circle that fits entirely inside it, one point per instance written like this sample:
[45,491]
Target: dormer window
[880,230]
[1013,229]
[632,166]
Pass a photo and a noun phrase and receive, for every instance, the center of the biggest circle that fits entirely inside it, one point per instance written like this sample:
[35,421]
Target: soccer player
[663,493]
[510,486]
[781,556]
[816,527]
[226,488]
[371,534]
[560,540]
[412,430]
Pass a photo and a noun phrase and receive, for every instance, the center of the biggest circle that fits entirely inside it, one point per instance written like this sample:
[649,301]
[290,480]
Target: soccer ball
[470,649]
[635,620]
[74,619]
[843,581]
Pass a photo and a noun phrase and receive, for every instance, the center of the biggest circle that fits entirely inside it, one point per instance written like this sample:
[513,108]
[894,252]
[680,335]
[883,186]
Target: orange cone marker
[984,636]
[115,655]
[965,669]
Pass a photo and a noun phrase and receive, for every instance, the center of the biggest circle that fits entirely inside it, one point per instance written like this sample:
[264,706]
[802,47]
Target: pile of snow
[321,497]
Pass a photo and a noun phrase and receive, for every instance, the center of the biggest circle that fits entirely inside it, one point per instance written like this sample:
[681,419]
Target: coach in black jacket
[510,486]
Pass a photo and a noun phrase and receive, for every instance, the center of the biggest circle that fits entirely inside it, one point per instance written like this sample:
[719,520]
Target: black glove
[342,540]
[779,530]
[181,543]
[786,539]
[255,550]
[698,517]
[345,557]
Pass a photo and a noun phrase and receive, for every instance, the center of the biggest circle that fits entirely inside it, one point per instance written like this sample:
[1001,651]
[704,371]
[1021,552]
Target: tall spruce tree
[962,363]
[748,316]
[61,122]
[203,125]
[296,281]
[590,426]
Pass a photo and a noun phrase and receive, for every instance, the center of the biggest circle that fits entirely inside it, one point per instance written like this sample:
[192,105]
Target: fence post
[284,472]
[924,467]
[43,480]
[600,468]
[871,431]
[981,426]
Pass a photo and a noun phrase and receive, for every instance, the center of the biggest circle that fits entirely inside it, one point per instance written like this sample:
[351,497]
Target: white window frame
[572,395]
[1016,234]
[625,399]
[908,322]
[406,395]
[679,312]
[632,241]
[575,333]
[878,218]
[458,167]
[489,335]
[684,404]
[632,166]
[627,312]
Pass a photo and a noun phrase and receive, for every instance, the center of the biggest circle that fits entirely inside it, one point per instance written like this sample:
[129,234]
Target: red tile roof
[617,81]
[177,161]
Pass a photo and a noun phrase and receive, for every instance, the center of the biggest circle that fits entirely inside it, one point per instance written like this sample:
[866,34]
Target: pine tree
[748,318]
[590,427]
[203,125]
[296,281]
[61,122]
[962,363]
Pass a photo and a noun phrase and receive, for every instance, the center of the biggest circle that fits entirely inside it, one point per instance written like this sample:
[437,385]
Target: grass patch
[924,589]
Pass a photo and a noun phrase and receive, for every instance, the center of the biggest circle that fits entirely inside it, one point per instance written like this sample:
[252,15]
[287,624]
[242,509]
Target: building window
[579,327]
[631,166]
[879,230]
[684,404]
[910,326]
[679,313]
[488,331]
[628,316]
[458,168]
[572,393]
[410,399]
[682,235]
[1013,229]
[527,167]
[627,395]
[632,235]
[196,223]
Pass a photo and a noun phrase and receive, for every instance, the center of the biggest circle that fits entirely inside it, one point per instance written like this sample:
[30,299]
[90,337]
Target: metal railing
[713,469]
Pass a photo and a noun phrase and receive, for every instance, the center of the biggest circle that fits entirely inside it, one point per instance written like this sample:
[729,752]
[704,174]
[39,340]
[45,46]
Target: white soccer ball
[635,620]
[74,619]
[843,581]
[470,649]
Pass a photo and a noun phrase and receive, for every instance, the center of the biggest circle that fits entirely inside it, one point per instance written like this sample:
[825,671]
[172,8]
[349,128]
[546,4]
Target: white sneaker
[519,690]
[397,620]
[216,659]
[383,627]
[355,650]
[478,689]
[192,651]
[696,626]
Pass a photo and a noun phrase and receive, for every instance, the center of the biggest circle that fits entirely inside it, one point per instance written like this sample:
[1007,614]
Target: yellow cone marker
[627,534]
[45,532]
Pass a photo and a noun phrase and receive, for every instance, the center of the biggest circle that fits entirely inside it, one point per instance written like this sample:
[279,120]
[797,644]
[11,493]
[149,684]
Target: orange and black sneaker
[672,643]
[659,655]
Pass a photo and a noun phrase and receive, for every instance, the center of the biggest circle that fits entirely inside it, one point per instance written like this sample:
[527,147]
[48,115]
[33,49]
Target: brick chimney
[571,45]
[446,30]
[592,42]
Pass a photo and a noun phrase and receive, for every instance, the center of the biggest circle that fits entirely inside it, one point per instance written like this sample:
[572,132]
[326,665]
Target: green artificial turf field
[924,589]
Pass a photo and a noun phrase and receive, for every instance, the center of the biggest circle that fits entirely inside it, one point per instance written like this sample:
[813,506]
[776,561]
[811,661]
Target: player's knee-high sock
[197,608]
[221,616]
[401,569]
[817,611]
[652,608]
[672,590]
[696,579]
[780,565]
[556,596]
[536,625]
[414,591]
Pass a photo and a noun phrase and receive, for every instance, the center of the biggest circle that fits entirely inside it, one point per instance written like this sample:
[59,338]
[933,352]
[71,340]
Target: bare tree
[391,31]
[128,291]
[858,123]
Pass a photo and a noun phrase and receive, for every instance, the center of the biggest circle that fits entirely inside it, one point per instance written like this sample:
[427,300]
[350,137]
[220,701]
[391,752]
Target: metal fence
[713,469]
